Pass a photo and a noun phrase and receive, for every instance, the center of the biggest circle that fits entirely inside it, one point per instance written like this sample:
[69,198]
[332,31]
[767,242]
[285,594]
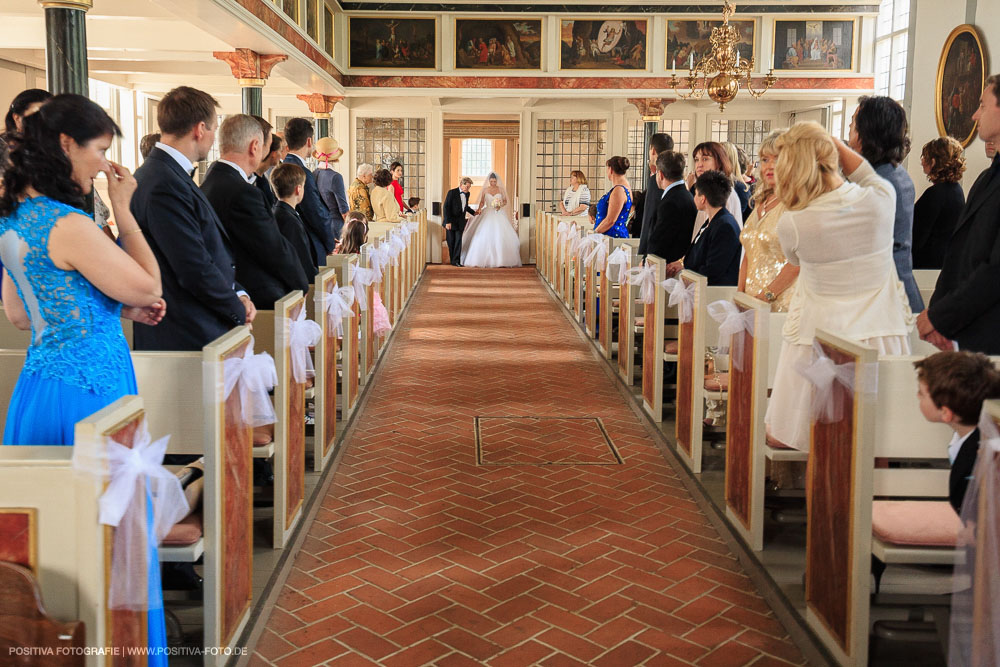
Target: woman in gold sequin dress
[765,273]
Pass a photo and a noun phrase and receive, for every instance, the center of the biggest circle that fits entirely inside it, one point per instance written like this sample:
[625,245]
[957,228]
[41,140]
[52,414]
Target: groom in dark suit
[456,212]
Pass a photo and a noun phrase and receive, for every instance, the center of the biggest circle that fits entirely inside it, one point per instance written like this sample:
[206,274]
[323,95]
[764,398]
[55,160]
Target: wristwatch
[770,296]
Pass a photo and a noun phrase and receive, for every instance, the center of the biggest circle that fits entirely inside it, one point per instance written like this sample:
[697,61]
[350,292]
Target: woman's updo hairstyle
[948,162]
[37,158]
[382,178]
[619,165]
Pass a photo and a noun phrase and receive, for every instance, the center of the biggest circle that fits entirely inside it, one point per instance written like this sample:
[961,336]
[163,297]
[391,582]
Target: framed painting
[498,43]
[826,46]
[690,39]
[612,44]
[961,77]
[393,41]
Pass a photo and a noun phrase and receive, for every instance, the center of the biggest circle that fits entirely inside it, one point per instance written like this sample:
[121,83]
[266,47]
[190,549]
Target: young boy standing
[289,181]
[953,386]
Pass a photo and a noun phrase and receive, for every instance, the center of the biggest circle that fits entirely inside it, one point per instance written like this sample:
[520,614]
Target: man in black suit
[658,143]
[314,213]
[965,307]
[456,212]
[272,156]
[670,236]
[715,252]
[266,264]
[190,243]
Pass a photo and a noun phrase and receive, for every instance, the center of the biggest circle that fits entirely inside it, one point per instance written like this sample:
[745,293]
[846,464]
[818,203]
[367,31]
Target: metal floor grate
[563,441]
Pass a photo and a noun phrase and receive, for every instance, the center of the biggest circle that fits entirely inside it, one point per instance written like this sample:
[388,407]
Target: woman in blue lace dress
[614,207]
[65,279]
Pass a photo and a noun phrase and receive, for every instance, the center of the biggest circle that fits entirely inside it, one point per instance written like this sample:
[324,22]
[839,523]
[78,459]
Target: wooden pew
[609,290]
[12,338]
[368,351]
[569,263]
[654,315]
[345,267]
[593,281]
[540,241]
[579,277]
[325,428]
[626,317]
[26,625]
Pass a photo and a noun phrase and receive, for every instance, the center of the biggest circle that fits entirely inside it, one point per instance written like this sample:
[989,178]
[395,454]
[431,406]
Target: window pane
[382,141]
[901,15]
[565,145]
[882,63]
[898,77]
[477,157]
[884,24]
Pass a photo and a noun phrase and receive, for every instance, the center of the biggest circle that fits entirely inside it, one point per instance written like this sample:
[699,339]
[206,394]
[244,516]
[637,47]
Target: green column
[66,45]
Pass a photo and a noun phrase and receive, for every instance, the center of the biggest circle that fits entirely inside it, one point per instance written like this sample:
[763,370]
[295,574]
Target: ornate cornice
[319,104]
[82,5]
[251,68]
[650,108]
[659,84]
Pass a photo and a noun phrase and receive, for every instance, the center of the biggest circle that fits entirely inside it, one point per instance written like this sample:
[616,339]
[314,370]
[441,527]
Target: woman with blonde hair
[765,273]
[576,199]
[739,178]
[936,212]
[840,234]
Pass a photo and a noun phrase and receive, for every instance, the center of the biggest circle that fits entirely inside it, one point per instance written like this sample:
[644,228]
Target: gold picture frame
[959,85]
[370,23]
[603,59]
[779,62]
[481,33]
[674,50]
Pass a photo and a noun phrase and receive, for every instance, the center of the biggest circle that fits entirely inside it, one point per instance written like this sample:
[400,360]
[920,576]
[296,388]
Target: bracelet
[137,230]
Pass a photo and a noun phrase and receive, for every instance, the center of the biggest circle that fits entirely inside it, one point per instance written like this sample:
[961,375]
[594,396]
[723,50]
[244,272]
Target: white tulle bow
[681,296]
[255,375]
[619,258]
[361,279]
[411,226]
[562,231]
[596,248]
[403,233]
[338,305]
[129,472]
[302,334]
[732,324]
[823,374]
[378,259]
[395,246]
[645,278]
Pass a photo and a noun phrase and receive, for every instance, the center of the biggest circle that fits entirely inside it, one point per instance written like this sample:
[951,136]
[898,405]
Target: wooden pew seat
[33,627]
[717,382]
[671,347]
[923,532]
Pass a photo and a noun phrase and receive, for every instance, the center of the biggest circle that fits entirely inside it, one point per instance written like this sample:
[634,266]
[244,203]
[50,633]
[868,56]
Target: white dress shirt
[179,157]
[238,168]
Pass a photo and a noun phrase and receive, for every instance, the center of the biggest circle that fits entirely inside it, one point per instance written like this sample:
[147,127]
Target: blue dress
[617,230]
[78,361]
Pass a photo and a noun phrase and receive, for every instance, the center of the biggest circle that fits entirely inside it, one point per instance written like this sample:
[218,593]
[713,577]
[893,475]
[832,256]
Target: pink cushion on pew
[185,532]
[640,321]
[918,523]
[671,347]
[717,382]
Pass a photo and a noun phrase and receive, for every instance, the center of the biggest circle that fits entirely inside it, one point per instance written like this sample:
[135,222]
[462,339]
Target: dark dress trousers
[649,210]
[291,227]
[716,250]
[902,230]
[934,218]
[330,184]
[961,470]
[670,236]
[262,184]
[192,249]
[266,264]
[315,215]
[454,214]
[966,302]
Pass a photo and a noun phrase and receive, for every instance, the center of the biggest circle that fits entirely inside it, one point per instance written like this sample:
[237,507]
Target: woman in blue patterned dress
[614,207]
[66,280]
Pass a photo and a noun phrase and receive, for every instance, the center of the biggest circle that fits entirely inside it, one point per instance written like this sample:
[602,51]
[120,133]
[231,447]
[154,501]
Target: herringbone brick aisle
[420,556]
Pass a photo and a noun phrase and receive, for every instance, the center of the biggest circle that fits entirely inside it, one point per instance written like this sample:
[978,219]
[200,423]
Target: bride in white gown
[490,240]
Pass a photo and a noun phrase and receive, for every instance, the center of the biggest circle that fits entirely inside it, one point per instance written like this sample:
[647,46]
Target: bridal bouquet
[497,204]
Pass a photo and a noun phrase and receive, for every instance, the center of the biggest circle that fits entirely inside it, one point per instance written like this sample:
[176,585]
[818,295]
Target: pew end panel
[652,344]
[745,432]
[626,317]
[839,509]
[345,267]
[579,282]
[367,349]
[290,429]
[691,374]
[594,277]
[325,429]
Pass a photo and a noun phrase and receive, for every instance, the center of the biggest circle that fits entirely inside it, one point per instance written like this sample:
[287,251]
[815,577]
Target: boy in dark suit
[290,186]
[953,386]
[670,236]
[715,252]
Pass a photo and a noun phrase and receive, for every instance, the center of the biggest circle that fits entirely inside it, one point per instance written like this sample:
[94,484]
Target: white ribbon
[598,250]
[360,280]
[302,334]
[822,373]
[378,259]
[733,323]
[681,296]
[562,231]
[645,278]
[404,235]
[123,504]
[337,303]
[619,258]
[255,375]
[411,227]
[394,246]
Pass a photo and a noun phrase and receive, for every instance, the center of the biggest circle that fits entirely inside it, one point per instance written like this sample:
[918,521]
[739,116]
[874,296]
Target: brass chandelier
[726,65]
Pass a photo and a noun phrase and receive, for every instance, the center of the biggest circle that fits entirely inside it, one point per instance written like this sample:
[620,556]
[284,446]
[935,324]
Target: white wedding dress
[490,241]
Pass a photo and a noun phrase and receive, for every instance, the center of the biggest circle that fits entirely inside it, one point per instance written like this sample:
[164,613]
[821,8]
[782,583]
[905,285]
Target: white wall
[14,78]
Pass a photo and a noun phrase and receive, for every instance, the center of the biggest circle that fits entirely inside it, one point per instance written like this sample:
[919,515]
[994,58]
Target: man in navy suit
[312,210]
[670,232]
[189,242]
[715,252]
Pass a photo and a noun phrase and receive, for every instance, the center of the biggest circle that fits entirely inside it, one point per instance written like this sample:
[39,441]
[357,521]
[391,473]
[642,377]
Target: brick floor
[419,556]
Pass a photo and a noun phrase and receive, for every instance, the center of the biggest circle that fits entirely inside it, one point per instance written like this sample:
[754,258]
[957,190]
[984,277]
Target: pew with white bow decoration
[338,302]
[644,277]
[303,334]
[379,257]
[254,375]
[732,324]
[827,405]
[595,249]
[621,259]
[361,280]
[681,297]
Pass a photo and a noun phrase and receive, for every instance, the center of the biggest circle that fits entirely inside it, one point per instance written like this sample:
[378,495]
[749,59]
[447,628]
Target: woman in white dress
[490,240]
[840,234]
[576,199]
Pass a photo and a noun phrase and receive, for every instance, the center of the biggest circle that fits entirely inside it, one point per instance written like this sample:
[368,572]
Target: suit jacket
[195,258]
[716,252]
[649,213]
[902,230]
[315,215]
[454,213]
[330,185]
[966,302]
[291,227]
[264,185]
[961,470]
[266,264]
[670,236]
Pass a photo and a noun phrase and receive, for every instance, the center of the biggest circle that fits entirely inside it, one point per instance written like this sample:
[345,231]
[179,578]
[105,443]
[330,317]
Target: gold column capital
[82,5]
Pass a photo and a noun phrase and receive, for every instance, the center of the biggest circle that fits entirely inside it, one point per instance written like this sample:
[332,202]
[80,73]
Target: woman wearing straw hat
[330,183]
